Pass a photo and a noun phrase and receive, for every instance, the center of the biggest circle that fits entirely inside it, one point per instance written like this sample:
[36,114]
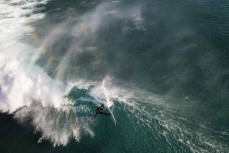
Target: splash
[28,92]
[25,88]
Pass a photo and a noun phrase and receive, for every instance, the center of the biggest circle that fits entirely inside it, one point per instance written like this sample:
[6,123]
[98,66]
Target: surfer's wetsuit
[99,109]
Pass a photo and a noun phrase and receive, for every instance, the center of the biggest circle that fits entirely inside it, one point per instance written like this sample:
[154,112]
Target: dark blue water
[165,68]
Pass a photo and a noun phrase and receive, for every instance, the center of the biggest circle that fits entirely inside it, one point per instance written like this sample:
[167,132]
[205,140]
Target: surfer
[100,109]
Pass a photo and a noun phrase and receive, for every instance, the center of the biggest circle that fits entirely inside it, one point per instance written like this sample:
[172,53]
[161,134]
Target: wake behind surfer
[100,109]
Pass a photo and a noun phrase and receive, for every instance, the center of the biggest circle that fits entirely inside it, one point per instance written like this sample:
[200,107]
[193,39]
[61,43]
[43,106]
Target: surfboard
[99,102]
[110,111]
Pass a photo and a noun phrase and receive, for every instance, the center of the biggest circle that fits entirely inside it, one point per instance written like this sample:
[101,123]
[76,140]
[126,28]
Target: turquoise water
[161,67]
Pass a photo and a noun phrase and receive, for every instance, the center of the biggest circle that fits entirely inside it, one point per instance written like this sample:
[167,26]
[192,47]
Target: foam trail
[109,103]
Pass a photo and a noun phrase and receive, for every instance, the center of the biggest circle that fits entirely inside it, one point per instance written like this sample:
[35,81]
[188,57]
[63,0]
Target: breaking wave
[61,107]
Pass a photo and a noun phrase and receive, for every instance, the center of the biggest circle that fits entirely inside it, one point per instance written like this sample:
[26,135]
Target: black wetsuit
[98,111]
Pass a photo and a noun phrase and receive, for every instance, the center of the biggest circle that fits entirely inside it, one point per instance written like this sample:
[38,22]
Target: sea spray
[60,105]
[25,88]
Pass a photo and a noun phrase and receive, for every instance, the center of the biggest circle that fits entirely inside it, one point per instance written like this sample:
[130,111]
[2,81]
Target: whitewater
[60,106]
[26,89]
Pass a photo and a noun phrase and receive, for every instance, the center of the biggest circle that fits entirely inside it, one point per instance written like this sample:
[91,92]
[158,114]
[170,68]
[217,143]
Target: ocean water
[161,67]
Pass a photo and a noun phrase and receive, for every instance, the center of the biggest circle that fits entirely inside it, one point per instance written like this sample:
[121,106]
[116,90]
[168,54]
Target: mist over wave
[160,78]
[29,92]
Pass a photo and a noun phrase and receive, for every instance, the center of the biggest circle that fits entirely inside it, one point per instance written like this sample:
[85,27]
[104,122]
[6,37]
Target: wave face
[161,68]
